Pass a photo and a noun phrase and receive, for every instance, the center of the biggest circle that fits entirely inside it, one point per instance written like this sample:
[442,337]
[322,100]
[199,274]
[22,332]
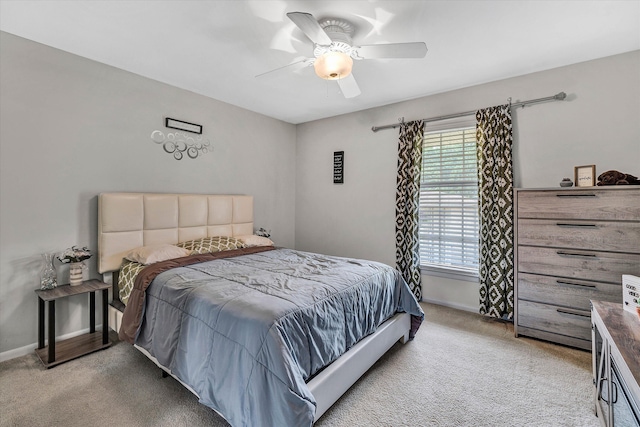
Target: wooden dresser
[572,246]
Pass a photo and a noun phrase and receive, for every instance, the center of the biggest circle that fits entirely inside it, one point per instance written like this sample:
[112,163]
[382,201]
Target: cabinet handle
[562,224]
[600,393]
[576,195]
[562,282]
[574,312]
[614,392]
[573,254]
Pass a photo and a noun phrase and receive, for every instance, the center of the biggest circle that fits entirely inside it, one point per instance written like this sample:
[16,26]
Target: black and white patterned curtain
[495,139]
[407,203]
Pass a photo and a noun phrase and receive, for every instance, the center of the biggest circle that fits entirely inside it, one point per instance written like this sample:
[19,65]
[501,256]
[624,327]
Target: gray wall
[72,128]
[597,124]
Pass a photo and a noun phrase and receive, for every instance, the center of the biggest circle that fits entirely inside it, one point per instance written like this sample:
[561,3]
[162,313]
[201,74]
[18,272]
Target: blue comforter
[246,333]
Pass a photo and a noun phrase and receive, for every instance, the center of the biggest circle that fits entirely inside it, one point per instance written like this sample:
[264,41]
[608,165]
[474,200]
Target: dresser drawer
[577,264]
[593,235]
[609,204]
[566,292]
[558,320]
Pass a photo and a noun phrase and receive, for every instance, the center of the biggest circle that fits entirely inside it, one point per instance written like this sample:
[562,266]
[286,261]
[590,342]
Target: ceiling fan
[334,51]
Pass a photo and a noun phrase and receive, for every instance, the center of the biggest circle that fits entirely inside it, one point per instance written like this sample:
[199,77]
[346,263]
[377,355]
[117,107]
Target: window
[449,228]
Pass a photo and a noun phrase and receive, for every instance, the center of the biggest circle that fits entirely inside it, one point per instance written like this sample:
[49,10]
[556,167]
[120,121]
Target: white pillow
[253,240]
[155,253]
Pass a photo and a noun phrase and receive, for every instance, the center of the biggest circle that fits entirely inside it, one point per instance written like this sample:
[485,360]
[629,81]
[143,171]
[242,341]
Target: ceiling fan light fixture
[333,65]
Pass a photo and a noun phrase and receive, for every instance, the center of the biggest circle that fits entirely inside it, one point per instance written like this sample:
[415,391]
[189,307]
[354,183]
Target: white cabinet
[616,364]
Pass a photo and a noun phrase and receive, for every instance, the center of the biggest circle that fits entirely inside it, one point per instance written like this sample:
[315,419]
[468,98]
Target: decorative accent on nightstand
[48,275]
[263,233]
[75,273]
[75,256]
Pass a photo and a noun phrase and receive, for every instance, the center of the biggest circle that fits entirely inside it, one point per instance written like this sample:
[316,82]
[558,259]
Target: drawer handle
[562,282]
[600,388]
[578,255]
[562,224]
[576,195]
[573,312]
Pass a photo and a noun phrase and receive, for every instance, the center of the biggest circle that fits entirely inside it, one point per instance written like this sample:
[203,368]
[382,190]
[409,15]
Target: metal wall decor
[338,167]
[181,125]
[180,144]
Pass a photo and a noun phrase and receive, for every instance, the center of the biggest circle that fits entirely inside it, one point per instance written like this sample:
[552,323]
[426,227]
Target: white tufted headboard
[130,220]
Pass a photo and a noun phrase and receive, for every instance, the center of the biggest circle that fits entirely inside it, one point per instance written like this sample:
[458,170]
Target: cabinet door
[602,380]
[623,412]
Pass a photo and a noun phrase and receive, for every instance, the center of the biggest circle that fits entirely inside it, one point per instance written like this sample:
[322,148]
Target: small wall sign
[585,176]
[338,167]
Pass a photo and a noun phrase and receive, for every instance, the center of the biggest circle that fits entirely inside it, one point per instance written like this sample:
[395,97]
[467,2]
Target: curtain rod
[557,97]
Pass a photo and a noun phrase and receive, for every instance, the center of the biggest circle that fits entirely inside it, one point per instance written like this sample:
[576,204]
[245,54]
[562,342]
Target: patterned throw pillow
[211,244]
[127,278]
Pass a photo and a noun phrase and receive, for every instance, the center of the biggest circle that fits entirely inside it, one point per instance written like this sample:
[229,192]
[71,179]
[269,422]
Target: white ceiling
[216,48]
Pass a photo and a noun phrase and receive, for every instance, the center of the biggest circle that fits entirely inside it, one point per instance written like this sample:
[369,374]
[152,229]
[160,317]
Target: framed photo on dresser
[585,176]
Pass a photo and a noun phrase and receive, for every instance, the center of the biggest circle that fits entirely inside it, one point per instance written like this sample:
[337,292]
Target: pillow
[211,244]
[253,240]
[155,253]
[127,278]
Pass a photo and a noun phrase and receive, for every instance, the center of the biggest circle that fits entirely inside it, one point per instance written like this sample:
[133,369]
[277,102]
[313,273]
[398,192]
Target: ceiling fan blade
[310,27]
[349,86]
[294,66]
[393,50]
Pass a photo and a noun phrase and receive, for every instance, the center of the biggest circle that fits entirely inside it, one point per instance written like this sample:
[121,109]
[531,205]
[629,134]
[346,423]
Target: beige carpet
[461,370]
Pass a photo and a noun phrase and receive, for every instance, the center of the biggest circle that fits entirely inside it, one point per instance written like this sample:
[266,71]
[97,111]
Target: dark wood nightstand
[56,353]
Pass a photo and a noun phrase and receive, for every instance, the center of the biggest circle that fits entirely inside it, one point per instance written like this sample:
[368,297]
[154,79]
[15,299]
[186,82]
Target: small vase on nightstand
[75,273]
[48,276]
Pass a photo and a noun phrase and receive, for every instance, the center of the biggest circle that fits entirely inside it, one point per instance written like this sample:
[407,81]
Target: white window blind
[449,201]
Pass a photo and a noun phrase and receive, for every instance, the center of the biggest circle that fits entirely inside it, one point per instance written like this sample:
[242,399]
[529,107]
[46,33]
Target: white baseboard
[452,305]
[17,352]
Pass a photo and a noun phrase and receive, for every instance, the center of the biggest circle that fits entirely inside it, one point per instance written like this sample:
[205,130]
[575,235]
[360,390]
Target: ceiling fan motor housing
[339,31]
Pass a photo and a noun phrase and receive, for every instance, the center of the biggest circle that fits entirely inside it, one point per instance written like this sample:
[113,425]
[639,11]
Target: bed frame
[130,220]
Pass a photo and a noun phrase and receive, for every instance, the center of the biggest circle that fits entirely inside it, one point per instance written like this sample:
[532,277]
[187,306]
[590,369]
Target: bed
[262,335]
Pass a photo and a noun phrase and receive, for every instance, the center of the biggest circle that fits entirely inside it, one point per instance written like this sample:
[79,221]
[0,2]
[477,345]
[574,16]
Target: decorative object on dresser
[585,176]
[75,256]
[617,178]
[572,246]
[566,182]
[616,364]
[631,293]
